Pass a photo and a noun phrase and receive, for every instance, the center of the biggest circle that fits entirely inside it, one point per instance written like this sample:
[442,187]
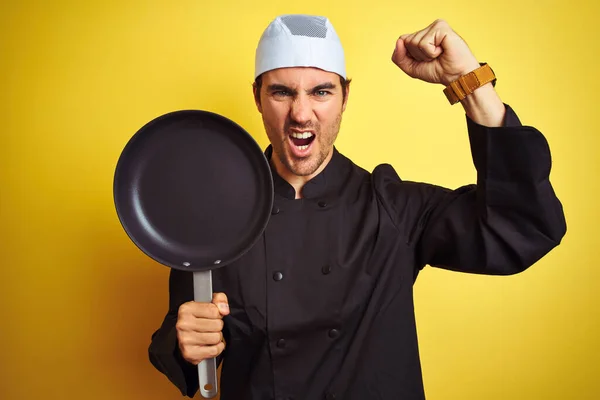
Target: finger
[430,42]
[426,45]
[194,324]
[410,46]
[195,354]
[400,53]
[198,310]
[220,300]
[212,351]
[401,57]
[414,46]
[200,338]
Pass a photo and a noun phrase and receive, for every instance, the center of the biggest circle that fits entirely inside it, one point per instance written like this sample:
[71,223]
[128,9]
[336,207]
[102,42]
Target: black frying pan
[194,191]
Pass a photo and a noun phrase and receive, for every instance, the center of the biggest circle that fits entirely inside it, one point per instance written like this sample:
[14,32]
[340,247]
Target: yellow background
[79,301]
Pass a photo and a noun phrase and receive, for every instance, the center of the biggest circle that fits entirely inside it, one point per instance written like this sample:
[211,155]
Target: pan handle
[207,369]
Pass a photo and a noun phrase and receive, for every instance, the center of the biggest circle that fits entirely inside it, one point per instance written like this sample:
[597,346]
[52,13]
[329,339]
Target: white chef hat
[300,41]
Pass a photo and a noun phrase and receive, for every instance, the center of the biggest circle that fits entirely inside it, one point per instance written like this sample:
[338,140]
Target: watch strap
[467,84]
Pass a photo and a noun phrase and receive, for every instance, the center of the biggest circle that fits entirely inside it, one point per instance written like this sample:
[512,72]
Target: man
[322,306]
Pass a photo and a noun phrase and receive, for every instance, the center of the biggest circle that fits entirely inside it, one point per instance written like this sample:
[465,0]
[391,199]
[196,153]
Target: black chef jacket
[322,305]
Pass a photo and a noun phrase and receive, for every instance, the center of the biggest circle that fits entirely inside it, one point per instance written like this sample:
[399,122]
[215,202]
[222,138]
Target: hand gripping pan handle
[207,369]
[177,190]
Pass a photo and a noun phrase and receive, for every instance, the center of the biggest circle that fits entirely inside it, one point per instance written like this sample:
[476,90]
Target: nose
[301,110]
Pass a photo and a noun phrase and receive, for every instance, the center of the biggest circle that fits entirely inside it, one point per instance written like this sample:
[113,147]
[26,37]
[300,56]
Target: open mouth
[302,139]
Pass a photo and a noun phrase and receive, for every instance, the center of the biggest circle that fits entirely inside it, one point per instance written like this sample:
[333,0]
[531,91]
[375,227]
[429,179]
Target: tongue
[302,142]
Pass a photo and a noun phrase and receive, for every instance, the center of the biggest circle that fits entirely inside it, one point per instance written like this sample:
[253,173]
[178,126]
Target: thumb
[401,58]
[220,300]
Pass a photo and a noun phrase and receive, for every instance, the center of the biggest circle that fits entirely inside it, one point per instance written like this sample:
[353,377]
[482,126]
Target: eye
[322,93]
[281,93]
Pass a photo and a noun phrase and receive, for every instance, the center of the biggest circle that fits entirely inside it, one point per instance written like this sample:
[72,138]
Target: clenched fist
[200,328]
[435,54]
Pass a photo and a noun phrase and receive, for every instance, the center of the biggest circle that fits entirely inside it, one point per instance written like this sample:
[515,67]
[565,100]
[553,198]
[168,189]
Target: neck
[298,181]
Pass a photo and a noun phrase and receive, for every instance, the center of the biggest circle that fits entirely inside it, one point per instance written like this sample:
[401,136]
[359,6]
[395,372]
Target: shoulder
[404,200]
[390,189]
[351,173]
[389,185]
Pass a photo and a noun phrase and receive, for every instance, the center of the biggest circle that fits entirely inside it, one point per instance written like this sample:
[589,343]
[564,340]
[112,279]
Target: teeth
[302,135]
[303,147]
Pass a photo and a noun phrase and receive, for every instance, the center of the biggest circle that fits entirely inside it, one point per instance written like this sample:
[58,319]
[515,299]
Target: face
[302,111]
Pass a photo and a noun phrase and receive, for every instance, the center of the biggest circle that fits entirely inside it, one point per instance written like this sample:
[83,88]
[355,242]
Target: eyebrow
[279,87]
[323,86]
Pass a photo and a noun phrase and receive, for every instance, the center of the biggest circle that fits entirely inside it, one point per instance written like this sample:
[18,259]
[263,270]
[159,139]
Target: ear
[256,97]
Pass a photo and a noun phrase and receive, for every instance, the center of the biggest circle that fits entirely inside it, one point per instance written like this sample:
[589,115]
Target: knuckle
[183,339]
[208,310]
[187,339]
[213,351]
[187,354]
[214,311]
[183,324]
[214,326]
[215,338]
[207,338]
[205,352]
[184,309]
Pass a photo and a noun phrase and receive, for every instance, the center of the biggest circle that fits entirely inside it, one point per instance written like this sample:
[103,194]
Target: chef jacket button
[326,269]
[277,276]
[334,333]
[275,210]
[322,204]
[281,343]
[329,396]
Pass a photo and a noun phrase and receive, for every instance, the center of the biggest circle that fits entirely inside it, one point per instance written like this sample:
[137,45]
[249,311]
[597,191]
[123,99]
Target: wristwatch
[466,84]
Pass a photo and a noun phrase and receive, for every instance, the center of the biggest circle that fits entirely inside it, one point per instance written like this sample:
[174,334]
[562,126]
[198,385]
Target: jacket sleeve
[164,349]
[502,225]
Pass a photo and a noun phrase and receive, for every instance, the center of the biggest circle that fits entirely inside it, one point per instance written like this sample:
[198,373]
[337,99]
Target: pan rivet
[186,264]
[218,262]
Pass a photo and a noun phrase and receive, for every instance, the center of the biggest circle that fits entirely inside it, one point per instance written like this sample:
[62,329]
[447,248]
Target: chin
[304,167]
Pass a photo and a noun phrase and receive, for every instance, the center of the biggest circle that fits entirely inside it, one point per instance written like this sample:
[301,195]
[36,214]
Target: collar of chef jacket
[323,186]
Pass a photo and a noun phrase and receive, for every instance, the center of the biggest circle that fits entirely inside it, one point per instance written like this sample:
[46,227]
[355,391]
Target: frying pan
[193,191]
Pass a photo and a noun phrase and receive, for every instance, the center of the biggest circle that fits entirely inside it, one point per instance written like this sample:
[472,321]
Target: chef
[322,306]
